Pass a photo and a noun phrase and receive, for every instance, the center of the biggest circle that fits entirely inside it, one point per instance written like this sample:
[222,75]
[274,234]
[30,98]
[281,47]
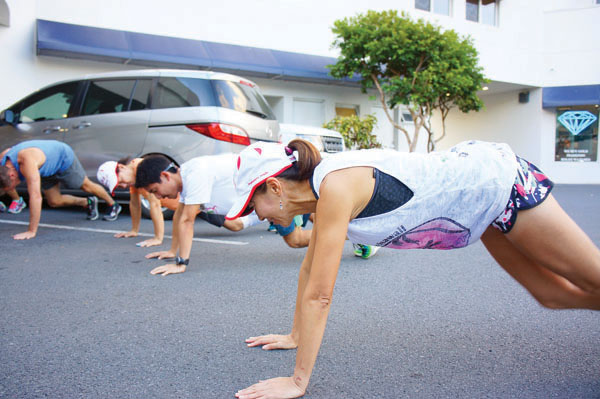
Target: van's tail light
[220,131]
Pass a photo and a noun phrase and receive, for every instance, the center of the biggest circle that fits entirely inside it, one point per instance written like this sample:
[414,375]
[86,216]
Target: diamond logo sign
[577,121]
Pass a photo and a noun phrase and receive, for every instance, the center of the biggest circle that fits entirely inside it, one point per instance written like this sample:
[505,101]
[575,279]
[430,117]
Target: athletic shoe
[17,206]
[364,251]
[113,212]
[272,228]
[2,207]
[92,208]
[369,250]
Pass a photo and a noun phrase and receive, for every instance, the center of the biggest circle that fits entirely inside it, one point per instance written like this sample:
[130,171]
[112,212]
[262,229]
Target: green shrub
[357,132]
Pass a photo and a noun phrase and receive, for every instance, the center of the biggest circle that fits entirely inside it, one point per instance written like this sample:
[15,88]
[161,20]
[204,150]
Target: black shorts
[212,218]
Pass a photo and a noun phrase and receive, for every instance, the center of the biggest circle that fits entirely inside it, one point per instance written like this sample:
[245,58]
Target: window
[576,134]
[423,5]
[182,92]
[106,96]
[242,97]
[483,11]
[141,91]
[473,10]
[436,6]
[346,110]
[194,92]
[52,103]
[441,7]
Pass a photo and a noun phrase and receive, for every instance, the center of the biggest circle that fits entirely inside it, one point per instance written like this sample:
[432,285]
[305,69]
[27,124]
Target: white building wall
[508,52]
[503,119]
[571,46]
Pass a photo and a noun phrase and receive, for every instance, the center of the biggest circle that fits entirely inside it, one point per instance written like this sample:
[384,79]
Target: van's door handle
[82,125]
[52,129]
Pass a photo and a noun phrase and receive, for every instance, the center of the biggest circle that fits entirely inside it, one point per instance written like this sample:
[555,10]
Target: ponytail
[307,160]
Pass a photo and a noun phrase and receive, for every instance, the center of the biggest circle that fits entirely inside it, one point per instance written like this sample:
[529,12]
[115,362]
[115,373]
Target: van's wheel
[167,213]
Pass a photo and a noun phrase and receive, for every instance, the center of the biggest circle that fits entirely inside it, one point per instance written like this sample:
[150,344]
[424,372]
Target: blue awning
[109,45]
[570,95]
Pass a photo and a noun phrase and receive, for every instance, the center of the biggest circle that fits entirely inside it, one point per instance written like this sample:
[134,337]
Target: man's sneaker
[364,251]
[92,208]
[17,206]
[2,207]
[113,212]
[272,228]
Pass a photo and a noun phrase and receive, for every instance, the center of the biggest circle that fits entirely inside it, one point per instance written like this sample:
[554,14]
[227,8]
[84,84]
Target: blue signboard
[577,134]
[577,121]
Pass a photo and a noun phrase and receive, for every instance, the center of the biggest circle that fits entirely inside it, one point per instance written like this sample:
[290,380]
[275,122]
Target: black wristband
[180,261]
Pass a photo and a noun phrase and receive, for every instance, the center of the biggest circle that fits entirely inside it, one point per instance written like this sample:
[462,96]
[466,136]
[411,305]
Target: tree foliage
[412,63]
[357,132]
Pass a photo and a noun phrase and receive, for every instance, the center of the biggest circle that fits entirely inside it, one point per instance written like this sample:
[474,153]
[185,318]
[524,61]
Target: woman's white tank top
[456,194]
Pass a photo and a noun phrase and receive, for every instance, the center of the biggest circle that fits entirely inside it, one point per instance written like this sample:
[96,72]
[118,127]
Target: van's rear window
[174,92]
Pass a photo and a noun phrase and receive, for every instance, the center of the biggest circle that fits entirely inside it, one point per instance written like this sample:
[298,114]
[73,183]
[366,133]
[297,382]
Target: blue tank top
[59,156]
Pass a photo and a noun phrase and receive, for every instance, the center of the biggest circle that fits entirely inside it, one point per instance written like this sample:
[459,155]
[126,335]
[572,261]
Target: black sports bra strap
[389,193]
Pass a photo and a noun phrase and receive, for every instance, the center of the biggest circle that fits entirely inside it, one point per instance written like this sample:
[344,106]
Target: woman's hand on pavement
[24,236]
[126,234]
[274,388]
[273,341]
[161,255]
[165,270]
[151,242]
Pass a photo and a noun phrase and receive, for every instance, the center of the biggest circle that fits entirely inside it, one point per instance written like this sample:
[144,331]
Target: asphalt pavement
[81,317]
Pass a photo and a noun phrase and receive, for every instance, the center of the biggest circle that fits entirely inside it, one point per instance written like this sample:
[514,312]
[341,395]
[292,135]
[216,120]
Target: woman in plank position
[441,200]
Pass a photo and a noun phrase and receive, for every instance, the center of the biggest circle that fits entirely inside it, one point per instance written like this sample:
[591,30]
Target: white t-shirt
[456,194]
[208,180]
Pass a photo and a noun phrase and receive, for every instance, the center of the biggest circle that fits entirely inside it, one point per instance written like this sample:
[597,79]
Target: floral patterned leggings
[530,189]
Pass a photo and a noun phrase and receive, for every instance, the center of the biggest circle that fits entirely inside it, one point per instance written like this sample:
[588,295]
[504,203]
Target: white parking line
[58,226]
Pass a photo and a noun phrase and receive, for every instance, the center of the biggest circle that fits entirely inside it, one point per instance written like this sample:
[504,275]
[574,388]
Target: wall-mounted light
[485,88]
[524,97]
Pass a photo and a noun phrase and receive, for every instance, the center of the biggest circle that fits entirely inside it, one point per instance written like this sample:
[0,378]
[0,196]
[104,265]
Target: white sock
[250,220]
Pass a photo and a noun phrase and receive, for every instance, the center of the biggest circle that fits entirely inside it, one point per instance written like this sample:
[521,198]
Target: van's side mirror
[7,116]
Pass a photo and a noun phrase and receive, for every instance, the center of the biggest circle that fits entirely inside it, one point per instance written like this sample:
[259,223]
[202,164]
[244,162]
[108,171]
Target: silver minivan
[178,113]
